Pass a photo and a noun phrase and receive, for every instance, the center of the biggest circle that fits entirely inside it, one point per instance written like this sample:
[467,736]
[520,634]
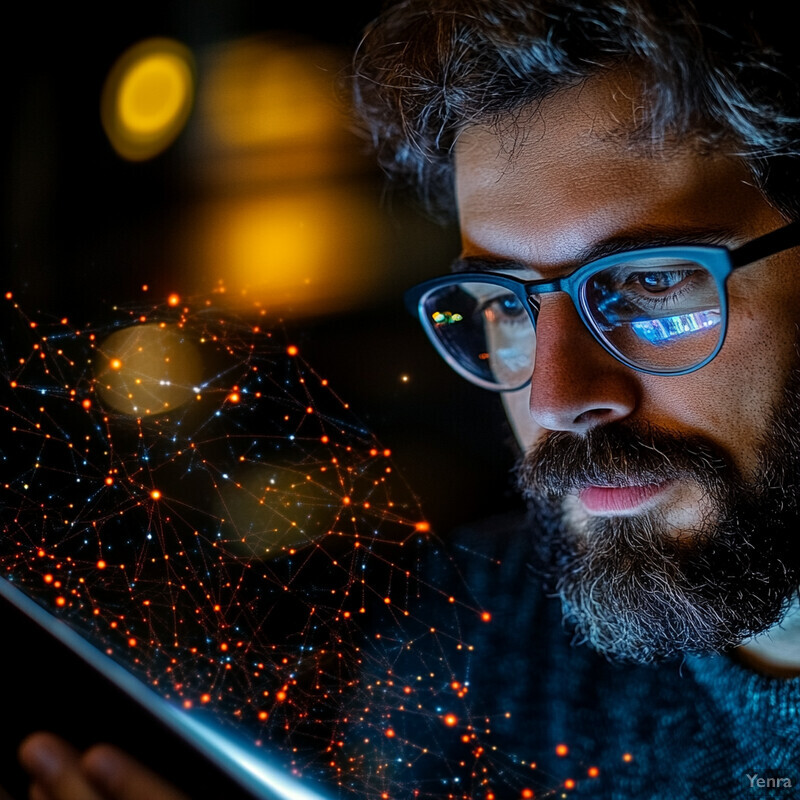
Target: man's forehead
[604,107]
[550,181]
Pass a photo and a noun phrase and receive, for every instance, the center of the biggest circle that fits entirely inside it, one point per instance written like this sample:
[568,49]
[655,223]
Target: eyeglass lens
[661,315]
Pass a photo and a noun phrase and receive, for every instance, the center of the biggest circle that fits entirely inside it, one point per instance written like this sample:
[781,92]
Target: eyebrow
[638,240]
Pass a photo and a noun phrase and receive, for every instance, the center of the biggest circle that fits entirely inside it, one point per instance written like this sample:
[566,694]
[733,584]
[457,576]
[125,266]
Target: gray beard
[628,586]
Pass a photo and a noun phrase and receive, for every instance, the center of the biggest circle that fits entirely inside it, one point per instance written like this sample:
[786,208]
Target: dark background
[83,228]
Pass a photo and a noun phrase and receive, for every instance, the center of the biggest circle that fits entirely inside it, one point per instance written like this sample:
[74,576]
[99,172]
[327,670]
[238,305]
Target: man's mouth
[620,499]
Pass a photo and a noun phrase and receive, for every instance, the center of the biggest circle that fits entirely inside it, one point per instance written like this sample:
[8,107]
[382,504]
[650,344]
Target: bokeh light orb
[147,369]
[147,98]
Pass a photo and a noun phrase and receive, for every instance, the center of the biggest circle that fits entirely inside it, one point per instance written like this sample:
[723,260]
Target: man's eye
[661,280]
[506,306]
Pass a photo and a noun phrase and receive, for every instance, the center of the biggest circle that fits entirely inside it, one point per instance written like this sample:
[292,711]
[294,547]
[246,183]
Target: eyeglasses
[658,310]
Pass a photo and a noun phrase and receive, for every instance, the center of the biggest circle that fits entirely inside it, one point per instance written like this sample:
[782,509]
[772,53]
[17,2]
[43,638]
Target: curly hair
[714,72]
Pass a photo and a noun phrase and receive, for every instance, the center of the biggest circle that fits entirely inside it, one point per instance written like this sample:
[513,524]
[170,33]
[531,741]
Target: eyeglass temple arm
[767,245]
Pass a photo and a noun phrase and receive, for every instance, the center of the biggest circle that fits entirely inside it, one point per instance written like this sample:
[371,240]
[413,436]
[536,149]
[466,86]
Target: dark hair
[715,72]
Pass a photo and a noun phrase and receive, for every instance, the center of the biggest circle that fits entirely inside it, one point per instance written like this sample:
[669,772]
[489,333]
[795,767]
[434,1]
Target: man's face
[567,181]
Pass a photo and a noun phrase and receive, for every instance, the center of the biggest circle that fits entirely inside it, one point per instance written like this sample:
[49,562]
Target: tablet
[57,680]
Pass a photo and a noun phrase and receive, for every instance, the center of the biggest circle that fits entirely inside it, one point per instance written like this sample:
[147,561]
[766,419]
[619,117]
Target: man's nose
[576,384]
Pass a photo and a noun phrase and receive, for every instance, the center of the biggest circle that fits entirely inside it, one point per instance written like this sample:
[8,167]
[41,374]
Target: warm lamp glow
[286,222]
[269,92]
[147,98]
[309,250]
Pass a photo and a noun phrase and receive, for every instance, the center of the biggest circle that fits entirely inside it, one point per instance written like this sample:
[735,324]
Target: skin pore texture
[564,178]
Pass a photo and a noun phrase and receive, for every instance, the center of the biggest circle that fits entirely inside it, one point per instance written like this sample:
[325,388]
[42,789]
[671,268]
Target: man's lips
[618,499]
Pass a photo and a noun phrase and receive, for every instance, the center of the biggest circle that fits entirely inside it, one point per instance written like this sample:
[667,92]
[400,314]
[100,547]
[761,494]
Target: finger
[54,766]
[37,792]
[120,777]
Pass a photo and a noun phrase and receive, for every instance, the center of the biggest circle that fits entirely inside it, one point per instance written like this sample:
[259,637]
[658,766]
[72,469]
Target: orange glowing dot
[233,397]
[422,527]
[48,578]
[145,287]
[593,772]
[390,733]
[115,363]
[174,299]
[61,601]
[13,384]
[627,757]
[132,642]
[527,793]
[223,647]
[486,616]
[387,453]
[309,410]
[450,720]
[155,494]
[9,295]
[346,501]
[205,698]
[87,403]
[292,350]
[280,696]
[387,600]
[263,715]
[569,783]
[561,750]
[109,481]
[101,564]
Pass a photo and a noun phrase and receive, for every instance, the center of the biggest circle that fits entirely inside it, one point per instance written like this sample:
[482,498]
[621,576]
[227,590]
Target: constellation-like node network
[191,496]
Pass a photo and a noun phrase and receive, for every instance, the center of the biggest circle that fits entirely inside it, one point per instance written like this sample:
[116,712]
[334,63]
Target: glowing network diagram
[191,496]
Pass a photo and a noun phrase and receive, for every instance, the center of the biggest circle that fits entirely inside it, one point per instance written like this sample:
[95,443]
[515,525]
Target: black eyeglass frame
[718,260]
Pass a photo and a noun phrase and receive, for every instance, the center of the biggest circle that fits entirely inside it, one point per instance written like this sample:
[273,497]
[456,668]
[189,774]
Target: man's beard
[638,591]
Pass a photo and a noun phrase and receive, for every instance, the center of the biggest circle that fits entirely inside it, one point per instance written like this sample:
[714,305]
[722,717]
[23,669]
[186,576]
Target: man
[618,170]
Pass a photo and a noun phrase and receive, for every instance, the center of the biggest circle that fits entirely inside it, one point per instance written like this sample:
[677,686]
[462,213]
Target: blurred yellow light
[306,251]
[268,91]
[266,511]
[147,98]
[152,94]
[147,369]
